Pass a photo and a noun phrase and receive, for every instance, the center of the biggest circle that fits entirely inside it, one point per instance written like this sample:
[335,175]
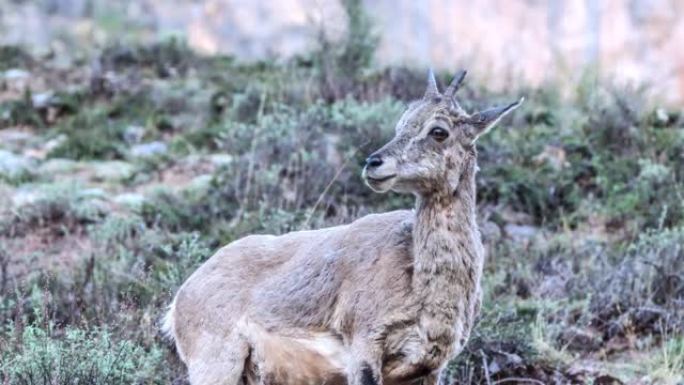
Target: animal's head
[434,139]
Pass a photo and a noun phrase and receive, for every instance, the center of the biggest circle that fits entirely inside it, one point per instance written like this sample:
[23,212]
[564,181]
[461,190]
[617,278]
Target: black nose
[374,161]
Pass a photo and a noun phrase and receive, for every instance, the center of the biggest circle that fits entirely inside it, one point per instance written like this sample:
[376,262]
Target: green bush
[12,56]
[39,355]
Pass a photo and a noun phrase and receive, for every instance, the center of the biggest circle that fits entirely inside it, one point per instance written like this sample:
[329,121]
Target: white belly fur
[295,357]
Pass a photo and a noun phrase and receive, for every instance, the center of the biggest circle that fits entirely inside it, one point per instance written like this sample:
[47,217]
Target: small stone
[15,74]
[662,116]
[149,150]
[220,159]
[494,367]
[42,100]
[501,360]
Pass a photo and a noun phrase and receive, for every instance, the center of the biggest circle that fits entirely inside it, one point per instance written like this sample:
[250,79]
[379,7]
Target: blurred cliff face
[500,41]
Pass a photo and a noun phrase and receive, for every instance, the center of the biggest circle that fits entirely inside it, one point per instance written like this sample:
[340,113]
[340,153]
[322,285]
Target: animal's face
[429,145]
[433,139]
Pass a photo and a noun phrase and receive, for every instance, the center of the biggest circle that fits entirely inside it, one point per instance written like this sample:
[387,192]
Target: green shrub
[167,58]
[60,205]
[12,56]
[644,290]
[40,355]
[20,112]
[91,135]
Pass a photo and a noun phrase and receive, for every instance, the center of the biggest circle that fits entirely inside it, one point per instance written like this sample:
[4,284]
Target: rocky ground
[120,174]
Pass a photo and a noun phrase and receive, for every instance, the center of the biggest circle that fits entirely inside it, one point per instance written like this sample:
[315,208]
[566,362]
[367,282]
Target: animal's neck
[448,258]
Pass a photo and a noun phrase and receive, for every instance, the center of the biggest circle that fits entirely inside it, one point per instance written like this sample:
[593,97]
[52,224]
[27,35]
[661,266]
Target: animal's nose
[374,161]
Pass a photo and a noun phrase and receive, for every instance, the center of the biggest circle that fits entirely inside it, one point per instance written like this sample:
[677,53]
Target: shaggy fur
[387,299]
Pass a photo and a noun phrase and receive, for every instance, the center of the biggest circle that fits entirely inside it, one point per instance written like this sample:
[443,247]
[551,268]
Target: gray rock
[42,100]
[662,116]
[219,160]
[13,166]
[149,150]
[16,74]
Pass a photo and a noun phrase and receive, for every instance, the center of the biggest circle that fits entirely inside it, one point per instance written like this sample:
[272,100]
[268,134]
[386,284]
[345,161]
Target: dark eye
[439,133]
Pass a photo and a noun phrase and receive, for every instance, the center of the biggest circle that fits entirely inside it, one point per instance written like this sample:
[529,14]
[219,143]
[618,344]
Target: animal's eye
[439,133]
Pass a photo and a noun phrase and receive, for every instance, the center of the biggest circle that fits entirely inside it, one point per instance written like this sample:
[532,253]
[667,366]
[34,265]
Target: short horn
[455,84]
[432,89]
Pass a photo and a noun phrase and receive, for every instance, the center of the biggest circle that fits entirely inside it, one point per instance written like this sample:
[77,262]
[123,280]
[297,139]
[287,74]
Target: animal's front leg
[365,367]
[431,379]
[364,373]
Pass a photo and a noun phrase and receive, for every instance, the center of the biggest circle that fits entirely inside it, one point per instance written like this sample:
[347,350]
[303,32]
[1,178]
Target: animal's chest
[411,353]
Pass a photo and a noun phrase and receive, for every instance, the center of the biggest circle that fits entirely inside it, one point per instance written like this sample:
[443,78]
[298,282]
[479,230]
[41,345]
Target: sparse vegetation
[124,183]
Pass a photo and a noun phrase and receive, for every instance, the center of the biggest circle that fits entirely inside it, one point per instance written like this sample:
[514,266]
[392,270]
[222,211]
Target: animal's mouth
[380,179]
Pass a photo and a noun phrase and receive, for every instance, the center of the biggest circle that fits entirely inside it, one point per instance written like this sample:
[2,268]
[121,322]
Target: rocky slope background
[122,169]
[513,42]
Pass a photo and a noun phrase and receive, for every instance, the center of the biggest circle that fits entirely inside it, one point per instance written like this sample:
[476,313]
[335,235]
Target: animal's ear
[432,89]
[481,122]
